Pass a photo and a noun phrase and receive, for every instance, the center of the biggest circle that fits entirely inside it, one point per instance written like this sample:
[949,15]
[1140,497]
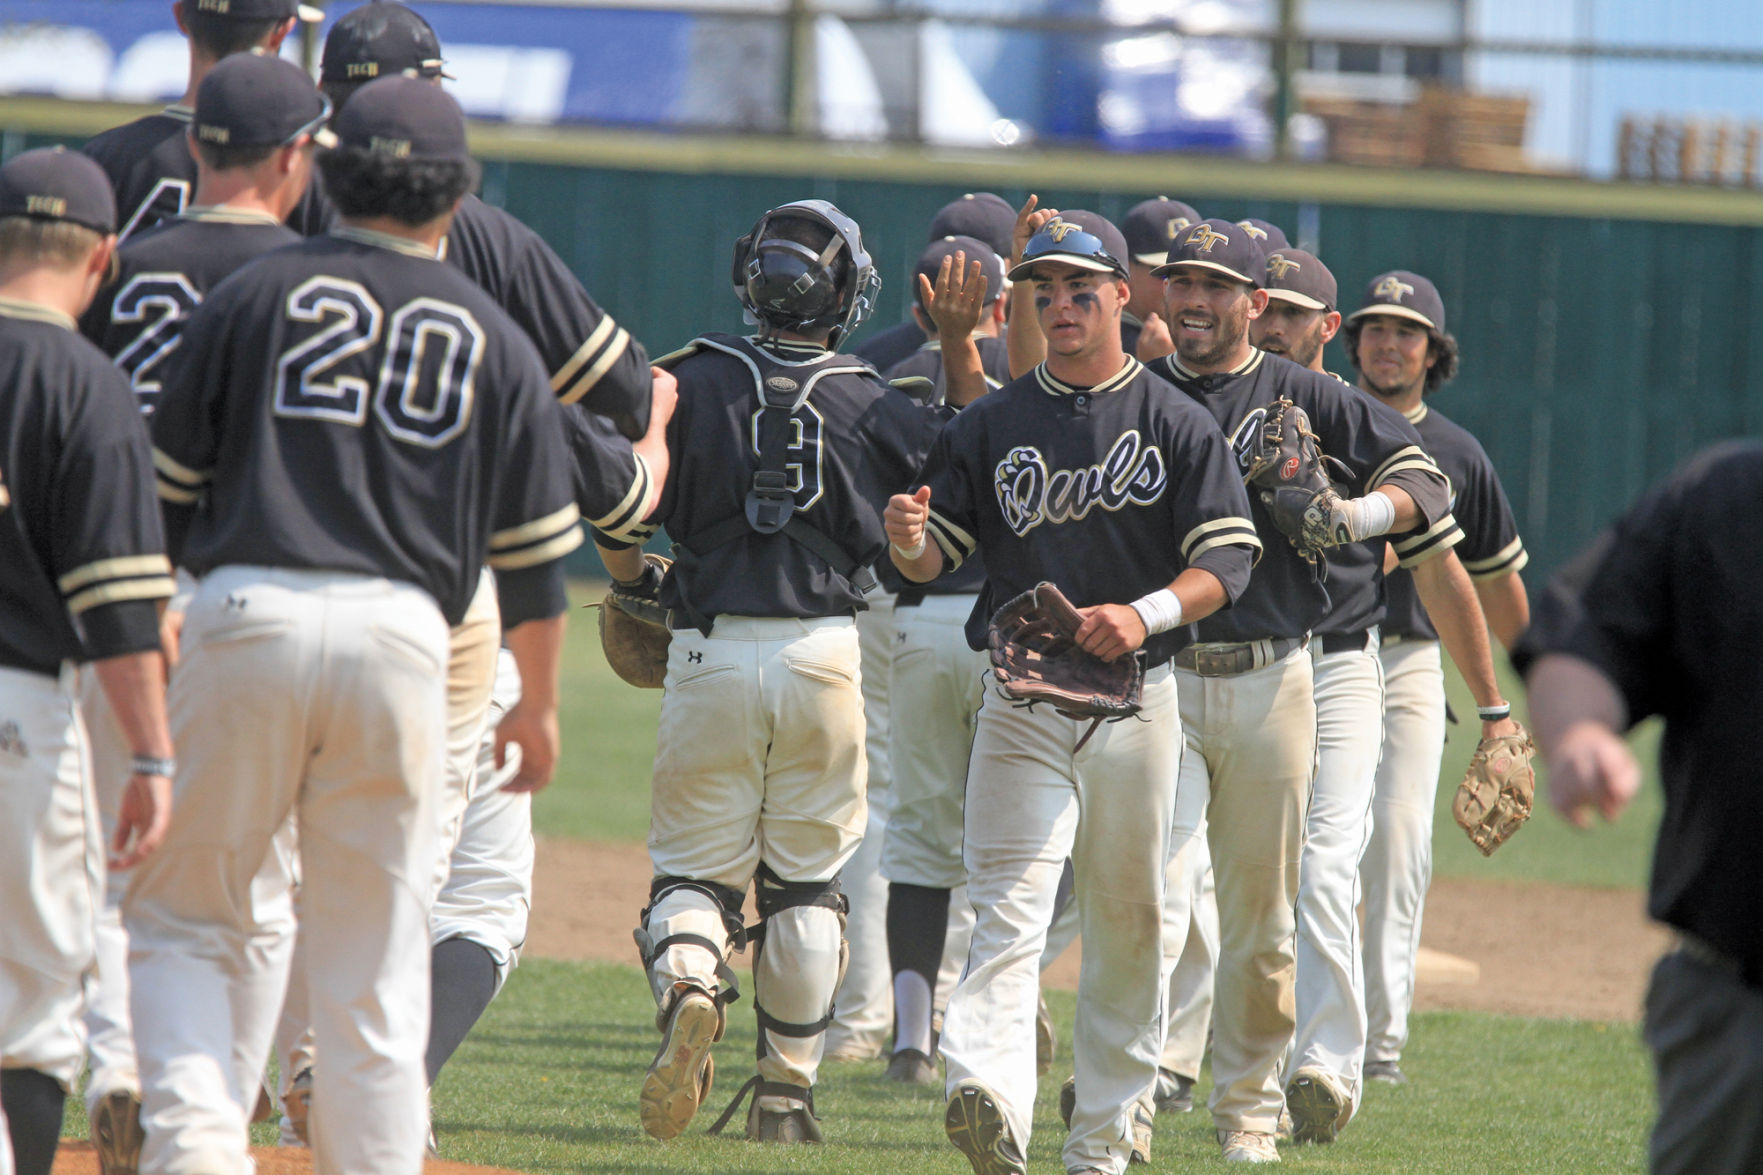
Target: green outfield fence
[1607,329]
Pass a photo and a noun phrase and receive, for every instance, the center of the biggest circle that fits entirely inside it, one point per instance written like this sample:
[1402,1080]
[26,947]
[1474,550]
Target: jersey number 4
[423,363]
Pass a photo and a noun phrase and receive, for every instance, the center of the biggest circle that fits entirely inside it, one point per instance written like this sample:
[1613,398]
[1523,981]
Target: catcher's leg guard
[688,931]
[799,960]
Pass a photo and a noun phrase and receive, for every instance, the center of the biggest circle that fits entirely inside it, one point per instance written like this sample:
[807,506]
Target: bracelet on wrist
[1160,610]
[1495,713]
[151,765]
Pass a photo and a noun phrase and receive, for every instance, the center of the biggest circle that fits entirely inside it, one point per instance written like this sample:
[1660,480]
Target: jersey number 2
[161,301]
[423,389]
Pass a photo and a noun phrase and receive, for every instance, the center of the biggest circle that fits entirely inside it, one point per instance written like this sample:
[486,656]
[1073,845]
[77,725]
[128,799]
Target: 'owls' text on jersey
[1110,492]
[332,404]
[1286,598]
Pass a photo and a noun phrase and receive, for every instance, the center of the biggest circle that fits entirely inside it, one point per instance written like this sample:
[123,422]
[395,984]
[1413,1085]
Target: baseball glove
[1290,472]
[1494,799]
[633,627]
[1035,659]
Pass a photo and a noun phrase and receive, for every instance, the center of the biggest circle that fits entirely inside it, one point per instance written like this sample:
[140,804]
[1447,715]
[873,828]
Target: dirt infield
[1567,952]
[78,1158]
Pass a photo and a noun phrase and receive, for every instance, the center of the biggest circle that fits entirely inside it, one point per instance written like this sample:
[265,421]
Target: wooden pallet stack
[1444,127]
[1670,150]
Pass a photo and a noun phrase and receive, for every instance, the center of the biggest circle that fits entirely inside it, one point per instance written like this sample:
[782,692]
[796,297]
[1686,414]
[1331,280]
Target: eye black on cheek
[1042,301]
[1087,300]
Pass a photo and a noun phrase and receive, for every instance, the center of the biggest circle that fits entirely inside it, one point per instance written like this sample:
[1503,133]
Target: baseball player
[255,124]
[781,449]
[936,679]
[1247,699]
[594,362]
[1148,227]
[984,216]
[349,415]
[83,570]
[1323,1086]
[1402,352]
[1088,473]
[149,162]
[1658,616]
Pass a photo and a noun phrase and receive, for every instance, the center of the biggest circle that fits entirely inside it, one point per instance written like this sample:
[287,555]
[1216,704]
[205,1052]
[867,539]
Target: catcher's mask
[787,285]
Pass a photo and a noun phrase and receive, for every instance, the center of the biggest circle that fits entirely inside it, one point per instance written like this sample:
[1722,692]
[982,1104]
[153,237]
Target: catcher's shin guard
[799,960]
[689,930]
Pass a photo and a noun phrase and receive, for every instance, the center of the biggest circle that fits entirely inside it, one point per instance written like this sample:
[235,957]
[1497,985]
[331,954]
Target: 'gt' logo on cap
[1392,288]
[1060,229]
[1175,225]
[1254,231]
[1204,237]
[1279,265]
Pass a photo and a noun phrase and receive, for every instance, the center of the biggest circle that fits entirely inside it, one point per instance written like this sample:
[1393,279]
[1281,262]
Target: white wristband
[911,553]
[1370,516]
[1160,610]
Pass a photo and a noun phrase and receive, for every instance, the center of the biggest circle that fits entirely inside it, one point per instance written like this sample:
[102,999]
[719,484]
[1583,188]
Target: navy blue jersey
[82,558]
[1286,597]
[163,275]
[852,442]
[153,173]
[920,375]
[887,347]
[1491,546]
[1109,491]
[1131,325]
[352,404]
[593,361]
[1666,605]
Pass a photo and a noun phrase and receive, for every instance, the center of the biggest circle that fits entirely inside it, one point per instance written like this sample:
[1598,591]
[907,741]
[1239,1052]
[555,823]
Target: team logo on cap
[220,6]
[362,69]
[1259,234]
[1060,229]
[45,206]
[397,148]
[214,134]
[1279,265]
[1392,288]
[1204,237]
[1175,225]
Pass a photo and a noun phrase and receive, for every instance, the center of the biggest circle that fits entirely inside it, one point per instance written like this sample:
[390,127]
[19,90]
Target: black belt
[1702,951]
[1230,660]
[1348,642]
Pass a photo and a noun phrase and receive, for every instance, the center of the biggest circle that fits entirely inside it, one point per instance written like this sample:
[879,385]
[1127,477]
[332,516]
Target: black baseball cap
[258,9]
[1084,239]
[1221,246]
[1270,235]
[254,100]
[378,40]
[404,118]
[53,183]
[931,261]
[1403,295]
[1300,278]
[984,216]
[1150,225]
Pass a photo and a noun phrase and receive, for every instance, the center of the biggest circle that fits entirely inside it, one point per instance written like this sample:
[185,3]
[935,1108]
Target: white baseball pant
[1031,803]
[321,694]
[1251,752]
[1398,861]
[863,1008]
[759,759]
[1330,1032]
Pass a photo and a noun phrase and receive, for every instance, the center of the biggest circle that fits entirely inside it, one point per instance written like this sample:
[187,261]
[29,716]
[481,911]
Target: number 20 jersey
[1110,492]
[352,404]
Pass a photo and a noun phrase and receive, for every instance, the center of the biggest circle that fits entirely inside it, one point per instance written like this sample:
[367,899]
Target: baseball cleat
[911,1067]
[975,1124]
[1143,1127]
[679,1077]
[1175,1093]
[116,1132]
[1068,1100]
[1319,1106]
[1388,1072]
[782,1118]
[297,1106]
[1247,1146]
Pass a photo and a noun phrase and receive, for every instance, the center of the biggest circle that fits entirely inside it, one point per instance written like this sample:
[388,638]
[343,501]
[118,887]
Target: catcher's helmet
[787,285]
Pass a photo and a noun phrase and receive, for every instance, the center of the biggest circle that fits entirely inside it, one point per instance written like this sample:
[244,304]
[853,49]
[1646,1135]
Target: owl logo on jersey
[1029,493]
[1242,438]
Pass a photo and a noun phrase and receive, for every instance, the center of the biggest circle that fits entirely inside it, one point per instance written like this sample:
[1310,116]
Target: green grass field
[548,1081]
